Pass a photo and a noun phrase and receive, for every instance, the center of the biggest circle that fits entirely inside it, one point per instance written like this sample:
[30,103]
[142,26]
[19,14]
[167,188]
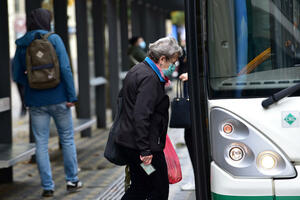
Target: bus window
[254,47]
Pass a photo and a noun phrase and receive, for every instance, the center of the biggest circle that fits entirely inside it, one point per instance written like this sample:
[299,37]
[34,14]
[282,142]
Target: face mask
[168,72]
[142,45]
[172,67]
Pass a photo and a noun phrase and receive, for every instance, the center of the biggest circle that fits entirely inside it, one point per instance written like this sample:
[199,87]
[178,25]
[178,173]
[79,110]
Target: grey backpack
[43,71]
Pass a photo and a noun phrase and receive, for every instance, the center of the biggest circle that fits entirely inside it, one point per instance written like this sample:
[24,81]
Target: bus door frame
[197,67]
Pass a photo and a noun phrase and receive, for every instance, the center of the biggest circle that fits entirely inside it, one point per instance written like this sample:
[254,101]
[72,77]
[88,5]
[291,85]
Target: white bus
[244,76]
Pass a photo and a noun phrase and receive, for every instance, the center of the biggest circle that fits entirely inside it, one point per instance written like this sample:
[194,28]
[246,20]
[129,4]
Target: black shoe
[48,193]
[74,186]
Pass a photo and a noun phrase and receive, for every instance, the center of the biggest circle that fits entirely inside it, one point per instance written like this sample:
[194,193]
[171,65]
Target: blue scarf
[155,69]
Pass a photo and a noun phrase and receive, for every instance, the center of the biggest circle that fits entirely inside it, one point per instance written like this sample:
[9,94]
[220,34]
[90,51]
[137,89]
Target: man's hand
[146,159]
[70,104]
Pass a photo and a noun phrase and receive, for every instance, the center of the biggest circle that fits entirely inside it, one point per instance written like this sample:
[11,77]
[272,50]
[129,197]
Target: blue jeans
[40,123]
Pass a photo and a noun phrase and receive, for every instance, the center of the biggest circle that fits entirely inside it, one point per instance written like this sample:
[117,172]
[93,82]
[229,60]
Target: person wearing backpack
[41,65]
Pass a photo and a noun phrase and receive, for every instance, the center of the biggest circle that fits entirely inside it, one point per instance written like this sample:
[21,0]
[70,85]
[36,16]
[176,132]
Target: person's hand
[184,77]
[146,159]
[70,104]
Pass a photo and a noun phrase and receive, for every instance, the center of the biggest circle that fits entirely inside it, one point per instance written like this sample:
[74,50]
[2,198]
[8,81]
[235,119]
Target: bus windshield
[253,47]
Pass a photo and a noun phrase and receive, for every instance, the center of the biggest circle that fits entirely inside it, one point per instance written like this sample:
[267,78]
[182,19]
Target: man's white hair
[166,46]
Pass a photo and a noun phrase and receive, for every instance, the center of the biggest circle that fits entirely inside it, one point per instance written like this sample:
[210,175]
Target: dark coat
[144,119]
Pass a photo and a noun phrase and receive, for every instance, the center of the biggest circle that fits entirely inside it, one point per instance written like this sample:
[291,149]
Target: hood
[29,37]
[39,19]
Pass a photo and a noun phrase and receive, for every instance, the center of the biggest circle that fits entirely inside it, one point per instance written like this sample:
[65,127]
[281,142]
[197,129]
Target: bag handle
[179,89]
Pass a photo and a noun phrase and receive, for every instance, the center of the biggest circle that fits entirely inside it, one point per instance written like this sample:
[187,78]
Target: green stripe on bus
[226,197]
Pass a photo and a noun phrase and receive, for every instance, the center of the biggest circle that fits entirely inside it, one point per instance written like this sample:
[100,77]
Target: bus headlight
[267,160]
[236,153]
[270,163]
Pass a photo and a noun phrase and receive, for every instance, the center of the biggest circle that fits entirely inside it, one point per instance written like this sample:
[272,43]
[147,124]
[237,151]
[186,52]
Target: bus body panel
[228,187]
[280,122]
[285,188]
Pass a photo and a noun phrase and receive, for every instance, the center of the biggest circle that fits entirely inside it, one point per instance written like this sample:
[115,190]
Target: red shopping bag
[173,164]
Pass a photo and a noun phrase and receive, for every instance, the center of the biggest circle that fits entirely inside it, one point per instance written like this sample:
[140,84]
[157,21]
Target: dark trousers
[151,187]
[189,143]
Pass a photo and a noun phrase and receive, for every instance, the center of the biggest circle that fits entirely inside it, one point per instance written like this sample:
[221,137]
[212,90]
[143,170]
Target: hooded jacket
[63,92]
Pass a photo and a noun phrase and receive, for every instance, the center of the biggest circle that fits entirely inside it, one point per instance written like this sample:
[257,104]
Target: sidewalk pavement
[95,172]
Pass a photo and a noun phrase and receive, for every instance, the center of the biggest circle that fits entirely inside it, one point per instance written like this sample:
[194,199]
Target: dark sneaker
[74,186]
[48,193]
